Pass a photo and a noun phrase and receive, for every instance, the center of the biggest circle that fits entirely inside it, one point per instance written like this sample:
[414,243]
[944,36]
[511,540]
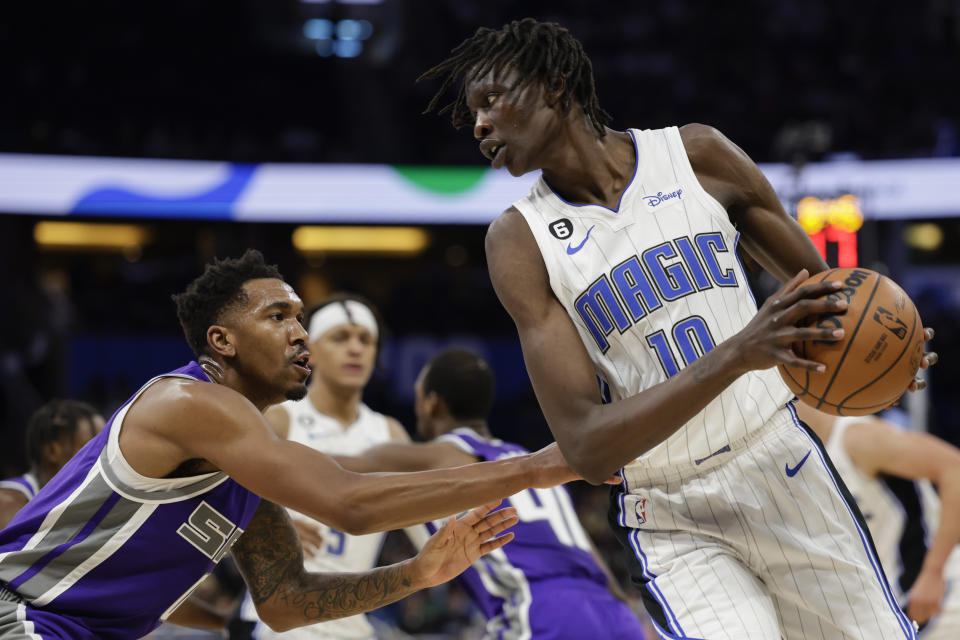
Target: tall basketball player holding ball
[620,264]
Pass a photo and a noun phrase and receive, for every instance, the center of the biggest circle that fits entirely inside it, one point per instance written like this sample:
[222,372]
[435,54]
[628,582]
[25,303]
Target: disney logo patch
[663,197]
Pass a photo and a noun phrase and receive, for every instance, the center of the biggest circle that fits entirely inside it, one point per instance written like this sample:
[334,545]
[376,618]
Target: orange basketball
[876,359]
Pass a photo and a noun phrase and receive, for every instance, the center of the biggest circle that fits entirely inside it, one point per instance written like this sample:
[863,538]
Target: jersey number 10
[692,339]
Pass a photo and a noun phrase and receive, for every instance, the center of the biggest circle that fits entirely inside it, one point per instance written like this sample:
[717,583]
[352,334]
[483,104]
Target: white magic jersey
[902,514]
[654,285]
[340,552]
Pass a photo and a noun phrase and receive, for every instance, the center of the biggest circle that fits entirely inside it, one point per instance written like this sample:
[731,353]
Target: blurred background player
[549,582]
[56,431]
[891,473]
[344,333]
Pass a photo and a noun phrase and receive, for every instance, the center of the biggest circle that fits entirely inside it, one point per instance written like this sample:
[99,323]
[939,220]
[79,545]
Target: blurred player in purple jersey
[549,583]
[128,528]
[57,430]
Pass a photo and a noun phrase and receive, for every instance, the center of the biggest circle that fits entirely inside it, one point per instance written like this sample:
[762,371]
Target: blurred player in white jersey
[891,472]
[620,264]
[344,334]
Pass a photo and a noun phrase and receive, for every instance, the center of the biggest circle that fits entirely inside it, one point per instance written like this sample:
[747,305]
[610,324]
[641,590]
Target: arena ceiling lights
[369,240]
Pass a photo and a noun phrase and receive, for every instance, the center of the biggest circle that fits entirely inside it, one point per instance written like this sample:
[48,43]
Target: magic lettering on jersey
[640,285]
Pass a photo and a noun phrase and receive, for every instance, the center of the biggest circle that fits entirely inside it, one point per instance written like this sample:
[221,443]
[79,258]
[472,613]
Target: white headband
[342,312]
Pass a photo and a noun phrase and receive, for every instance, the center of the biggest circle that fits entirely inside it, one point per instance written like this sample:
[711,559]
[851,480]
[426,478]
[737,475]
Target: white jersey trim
[116,541]
[134,483]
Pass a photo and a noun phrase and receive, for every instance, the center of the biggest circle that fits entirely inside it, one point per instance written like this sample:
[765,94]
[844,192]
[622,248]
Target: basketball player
[550,582]
[344,336]
[56,431]
[142,513]
[889,471]
[620,265]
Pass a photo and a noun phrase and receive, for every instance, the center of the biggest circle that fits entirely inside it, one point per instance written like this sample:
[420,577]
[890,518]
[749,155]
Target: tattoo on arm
[268,553]
[271,560]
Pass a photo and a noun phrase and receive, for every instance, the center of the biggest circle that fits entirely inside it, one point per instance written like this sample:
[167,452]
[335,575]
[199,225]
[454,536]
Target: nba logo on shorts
[641,507]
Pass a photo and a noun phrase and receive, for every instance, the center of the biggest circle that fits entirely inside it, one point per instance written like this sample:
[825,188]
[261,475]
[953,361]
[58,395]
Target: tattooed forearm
[325,596]
[271,560]
[268,553]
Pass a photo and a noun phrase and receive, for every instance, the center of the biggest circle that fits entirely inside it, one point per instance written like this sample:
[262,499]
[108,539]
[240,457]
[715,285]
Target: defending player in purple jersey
[132,523]
[100,530]
[549,583]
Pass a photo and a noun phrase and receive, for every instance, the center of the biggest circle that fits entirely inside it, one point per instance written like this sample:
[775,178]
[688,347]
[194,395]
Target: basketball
[871,367]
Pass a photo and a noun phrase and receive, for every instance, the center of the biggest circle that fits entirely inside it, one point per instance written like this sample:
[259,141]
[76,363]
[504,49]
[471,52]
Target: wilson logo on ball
[877,358]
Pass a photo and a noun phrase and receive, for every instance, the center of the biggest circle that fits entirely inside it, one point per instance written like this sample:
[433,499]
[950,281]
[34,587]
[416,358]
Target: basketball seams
[850,341]
[906,345]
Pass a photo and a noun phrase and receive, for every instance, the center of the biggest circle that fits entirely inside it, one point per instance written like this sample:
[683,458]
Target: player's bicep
[767,232]
[230,433]
[560,369]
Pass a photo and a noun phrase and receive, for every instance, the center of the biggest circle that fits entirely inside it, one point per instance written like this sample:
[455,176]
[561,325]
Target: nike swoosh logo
[572,250]
[792,472]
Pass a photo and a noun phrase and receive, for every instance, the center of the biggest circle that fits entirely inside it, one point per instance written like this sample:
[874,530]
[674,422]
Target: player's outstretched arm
[177,420]
[287,596]
[597,439]
[406,456]
[876,446]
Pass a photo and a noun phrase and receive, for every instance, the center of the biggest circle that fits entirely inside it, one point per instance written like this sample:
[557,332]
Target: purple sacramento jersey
[546,583]
[25,484]
[103,553]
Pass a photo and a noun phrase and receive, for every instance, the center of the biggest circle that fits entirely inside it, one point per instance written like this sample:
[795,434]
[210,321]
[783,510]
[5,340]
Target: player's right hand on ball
[767,340]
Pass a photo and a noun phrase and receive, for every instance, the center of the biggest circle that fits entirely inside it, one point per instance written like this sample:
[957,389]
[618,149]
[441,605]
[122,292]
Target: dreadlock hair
[219,288]
[464,381]
[55,420]
[539,51]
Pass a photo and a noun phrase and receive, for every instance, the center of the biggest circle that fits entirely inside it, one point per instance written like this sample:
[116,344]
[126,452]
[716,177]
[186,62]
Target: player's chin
[297,392]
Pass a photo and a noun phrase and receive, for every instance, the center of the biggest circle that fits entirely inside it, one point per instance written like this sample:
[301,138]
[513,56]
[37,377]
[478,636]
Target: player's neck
[480,426]
[587,169]
[43,475]
[229,377]
[340,403]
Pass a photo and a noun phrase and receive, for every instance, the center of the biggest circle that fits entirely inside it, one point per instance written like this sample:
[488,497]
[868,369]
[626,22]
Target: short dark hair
[53,421]
[464,381]
[220,287]
[539,51]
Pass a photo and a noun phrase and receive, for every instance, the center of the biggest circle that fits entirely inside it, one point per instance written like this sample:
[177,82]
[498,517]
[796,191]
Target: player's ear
[221,341]
[434,404]
[553,90]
